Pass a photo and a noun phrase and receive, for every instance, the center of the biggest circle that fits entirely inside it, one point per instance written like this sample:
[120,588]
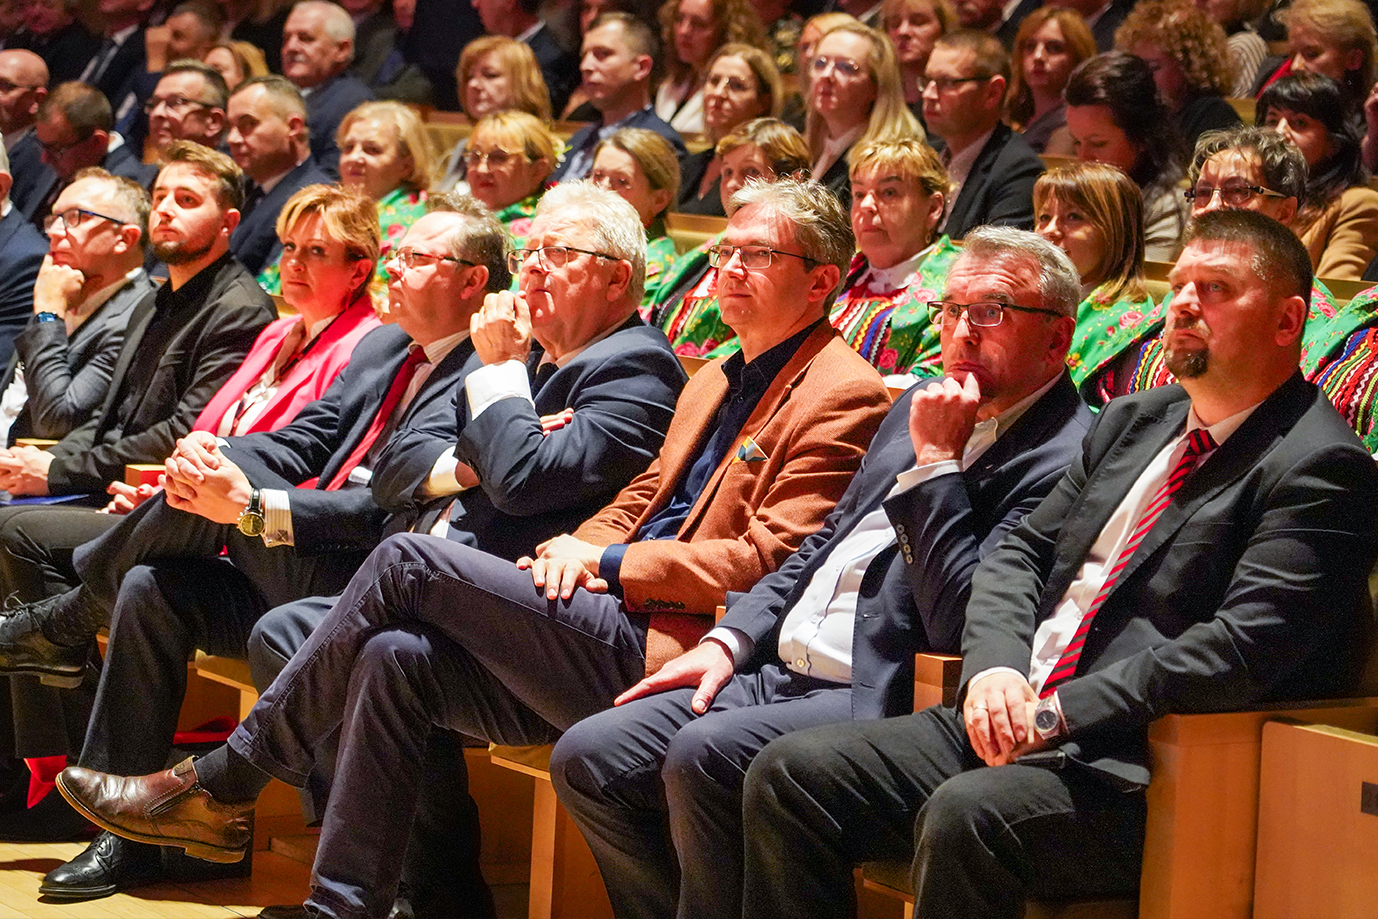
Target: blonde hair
[654,157]
[782,146]
[410,136]
[518,61]
[248,56]
[1019,101]
[890,118]
[909,158]
[1180,30]
[1347,24]
[519,132]
[1111,201]
[348,217]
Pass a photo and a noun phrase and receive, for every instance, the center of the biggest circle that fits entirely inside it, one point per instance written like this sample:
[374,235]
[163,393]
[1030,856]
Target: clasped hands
[999,713]
[24,470]
[564,563]
[200,479]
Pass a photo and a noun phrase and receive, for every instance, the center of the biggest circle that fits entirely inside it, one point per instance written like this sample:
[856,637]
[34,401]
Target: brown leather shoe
[168,808]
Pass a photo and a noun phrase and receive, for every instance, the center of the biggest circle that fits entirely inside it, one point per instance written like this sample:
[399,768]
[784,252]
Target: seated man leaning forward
[1208,550]
[832,634]
[761,447]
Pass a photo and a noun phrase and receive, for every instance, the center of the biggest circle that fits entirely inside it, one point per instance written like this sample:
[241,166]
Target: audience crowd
[655,381]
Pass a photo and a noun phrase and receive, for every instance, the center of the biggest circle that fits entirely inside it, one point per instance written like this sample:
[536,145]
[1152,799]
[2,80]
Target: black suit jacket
[46,187]
[380,63]
[67,377]
[587,137]
[326,107]
[999,188]
[1251,586]
[21,255]
[27,170]
[255,241]
[914,593]
[200,356]
[66,52]
[1009,29]
[117,79]
[559,68]
[623,391]
[316,444]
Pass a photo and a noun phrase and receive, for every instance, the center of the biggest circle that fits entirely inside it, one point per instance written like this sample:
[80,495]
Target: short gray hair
[614,225]
[822,228]
[339,25]
[480,238]
[1059,285]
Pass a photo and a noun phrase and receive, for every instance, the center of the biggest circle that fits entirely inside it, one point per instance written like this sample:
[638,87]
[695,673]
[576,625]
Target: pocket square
[749,452]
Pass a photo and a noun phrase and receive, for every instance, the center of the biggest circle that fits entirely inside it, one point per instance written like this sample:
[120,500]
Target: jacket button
[799,663]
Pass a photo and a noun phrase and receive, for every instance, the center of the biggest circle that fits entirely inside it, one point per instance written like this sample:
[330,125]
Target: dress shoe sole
[79,893]
[200,850]
[65,679]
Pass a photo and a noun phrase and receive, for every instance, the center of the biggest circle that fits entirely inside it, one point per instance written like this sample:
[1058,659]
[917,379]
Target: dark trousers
[981,839]
[427,634]
[36,548]
[170,593]
[627,771]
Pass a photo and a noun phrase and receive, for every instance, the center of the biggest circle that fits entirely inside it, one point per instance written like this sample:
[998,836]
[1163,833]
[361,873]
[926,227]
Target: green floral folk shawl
[517,217]
[397,211]
[692,322]
[1105,328]
[660,260]
[1348,375]
[890,328]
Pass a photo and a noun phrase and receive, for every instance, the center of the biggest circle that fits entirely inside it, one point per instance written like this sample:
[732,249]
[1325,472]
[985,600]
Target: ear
[823,280]
[936,203]
[1291,320]
[995,91]
[475,283]
[38,96]
[231,221]
[644,64]
[661,199]
[1287,211]
[362,270]
[345,52]
[1354,59]
[621,277]
[296,126]
[1061,331]
[215,120]
[129,239]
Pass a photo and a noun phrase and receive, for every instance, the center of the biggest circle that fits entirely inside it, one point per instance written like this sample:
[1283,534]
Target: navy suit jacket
[27,170]
[999,188]
[68,377]
[326,107]
[914,593]
[1251,587]
[316,444]
[559,68]
[21,255]
[587,136]
[623,391]
[117,80]
[255,241]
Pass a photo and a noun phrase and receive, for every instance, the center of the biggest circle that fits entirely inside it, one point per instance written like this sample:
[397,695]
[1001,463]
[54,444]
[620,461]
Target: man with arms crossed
[1208,551]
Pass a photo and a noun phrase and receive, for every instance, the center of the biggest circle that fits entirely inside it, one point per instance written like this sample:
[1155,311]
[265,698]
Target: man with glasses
[75,130]
[437,634]
[187,104]
[616,61]
[268,137]
[991,167]
[23,87]
[831,635]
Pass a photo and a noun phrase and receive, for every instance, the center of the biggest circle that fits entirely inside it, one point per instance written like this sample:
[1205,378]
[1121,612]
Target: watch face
[1045,720]
[251,525]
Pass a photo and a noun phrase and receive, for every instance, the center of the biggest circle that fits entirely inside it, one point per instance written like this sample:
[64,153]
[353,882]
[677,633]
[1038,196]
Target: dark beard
[1187,365]
[180,253]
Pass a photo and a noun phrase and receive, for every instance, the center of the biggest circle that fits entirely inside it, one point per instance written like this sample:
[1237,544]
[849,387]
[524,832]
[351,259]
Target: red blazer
[305,382]
[810,432]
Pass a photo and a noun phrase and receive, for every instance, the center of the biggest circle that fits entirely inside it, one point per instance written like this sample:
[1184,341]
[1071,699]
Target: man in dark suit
[23,87]
[379,59]
[832,634]
[81,302]
[55,35]
[1103,16]
[120,55]
[269,139]
[761,446]
[21,253]
[617,59]
[75,130]
[1209,550]
[317,47]
[992,168]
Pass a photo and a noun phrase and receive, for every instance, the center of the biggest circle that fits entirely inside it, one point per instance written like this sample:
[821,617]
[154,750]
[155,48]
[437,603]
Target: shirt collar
[759,374]
[897,276]
[440,349]
[1223,428]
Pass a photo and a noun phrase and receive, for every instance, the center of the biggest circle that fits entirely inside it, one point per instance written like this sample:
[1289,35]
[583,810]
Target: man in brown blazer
[433,633]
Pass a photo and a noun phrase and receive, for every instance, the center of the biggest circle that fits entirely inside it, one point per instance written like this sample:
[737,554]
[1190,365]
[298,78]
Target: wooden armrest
[136,474]
[936,679]
[42,443]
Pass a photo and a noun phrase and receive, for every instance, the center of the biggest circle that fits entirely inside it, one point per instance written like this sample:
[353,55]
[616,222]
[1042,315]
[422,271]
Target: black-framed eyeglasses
[753,258]
[550,257]
[983,314]
[947,84]
[56,150]
[407,257]
[174,104]
[74,217]
[1233,195]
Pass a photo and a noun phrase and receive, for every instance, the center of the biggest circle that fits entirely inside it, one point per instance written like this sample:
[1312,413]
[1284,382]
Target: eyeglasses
[74,217]
[496,159]
[408,256]
[1233,195]
[984,314]
[609,181]
[550,257]
[56,150]
[174,104]
[947,84]
[753,258]
[840,65]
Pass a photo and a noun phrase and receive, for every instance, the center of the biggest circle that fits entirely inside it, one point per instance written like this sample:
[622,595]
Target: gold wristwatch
[251,519]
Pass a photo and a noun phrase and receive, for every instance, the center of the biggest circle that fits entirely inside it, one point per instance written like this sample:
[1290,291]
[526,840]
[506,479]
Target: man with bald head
[317,49]
[23,87]
[269,138]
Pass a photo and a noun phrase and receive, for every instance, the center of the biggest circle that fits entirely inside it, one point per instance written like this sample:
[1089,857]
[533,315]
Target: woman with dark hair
[1116,117]
[1338,220]
[1051,42]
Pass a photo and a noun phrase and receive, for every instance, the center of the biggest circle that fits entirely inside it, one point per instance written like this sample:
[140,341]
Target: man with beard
[1208,551]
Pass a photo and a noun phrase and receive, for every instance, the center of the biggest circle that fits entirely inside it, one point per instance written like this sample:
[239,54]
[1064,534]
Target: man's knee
[275,638]
[134,613]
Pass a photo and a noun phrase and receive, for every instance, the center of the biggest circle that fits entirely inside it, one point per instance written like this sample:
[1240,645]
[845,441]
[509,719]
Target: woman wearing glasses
[854,98]
[1094,213]
[685,305]
[509,157]
[640,166]
[690,31]
[386,156]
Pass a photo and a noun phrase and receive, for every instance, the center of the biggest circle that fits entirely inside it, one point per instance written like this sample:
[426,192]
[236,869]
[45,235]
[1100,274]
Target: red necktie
[415,358]
[1199,442]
